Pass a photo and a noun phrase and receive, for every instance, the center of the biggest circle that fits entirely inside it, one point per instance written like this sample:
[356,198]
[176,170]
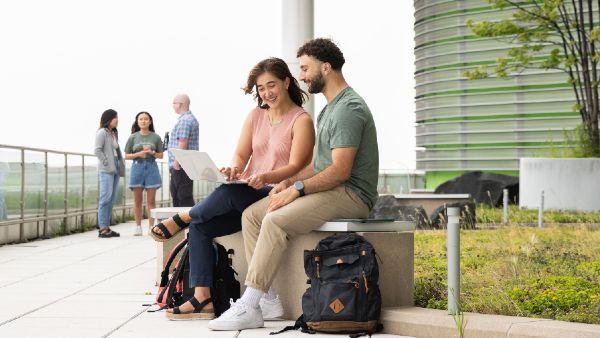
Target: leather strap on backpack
[299,324]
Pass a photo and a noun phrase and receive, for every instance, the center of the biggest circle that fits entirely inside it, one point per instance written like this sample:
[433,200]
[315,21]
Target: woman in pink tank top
[276,142]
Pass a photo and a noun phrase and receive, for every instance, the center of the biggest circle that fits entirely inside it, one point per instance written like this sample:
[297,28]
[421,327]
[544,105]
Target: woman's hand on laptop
[257,181]
[232,173]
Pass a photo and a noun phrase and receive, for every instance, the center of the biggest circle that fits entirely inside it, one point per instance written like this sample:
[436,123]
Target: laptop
[199,166]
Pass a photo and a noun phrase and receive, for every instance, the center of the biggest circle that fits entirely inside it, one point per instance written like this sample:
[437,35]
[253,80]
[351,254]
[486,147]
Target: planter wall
[568,183]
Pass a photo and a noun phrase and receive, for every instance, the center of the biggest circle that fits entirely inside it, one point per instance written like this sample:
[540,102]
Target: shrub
[554,296]
[431,292]
[590,270]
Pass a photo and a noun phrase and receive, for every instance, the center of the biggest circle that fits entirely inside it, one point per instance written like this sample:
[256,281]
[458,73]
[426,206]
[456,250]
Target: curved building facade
[486,124]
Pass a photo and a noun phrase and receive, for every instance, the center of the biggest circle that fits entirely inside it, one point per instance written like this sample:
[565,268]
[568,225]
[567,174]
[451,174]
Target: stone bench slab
[392,240]
[371,225]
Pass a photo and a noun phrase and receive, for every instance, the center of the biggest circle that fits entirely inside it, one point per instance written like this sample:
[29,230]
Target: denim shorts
[144,174]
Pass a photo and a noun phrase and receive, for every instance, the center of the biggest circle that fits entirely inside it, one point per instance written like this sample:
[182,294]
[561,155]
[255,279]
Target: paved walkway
[81,286]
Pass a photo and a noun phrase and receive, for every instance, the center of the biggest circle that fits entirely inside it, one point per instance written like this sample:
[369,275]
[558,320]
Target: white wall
[568,183]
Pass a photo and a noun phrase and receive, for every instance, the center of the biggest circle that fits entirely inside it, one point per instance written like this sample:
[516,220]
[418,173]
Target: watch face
[298,185]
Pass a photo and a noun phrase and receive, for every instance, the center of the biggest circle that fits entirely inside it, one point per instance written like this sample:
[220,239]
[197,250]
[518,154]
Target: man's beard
[316,84]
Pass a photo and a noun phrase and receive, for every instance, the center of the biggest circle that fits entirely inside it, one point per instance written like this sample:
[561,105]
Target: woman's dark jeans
[219,214]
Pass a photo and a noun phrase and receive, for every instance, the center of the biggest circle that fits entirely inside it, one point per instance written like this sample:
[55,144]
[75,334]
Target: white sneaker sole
[275,313]
[231,326]
[274,316]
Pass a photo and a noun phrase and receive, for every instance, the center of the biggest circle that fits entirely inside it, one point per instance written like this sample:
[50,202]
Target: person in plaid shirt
[184,135]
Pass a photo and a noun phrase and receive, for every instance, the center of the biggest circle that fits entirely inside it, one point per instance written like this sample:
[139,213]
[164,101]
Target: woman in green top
[143,147]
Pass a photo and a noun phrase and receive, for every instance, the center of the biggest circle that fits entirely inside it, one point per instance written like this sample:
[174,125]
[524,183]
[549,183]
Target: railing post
[66,194]
[505,206]
[124,192]
[97,193]
[453,254]
[45,232]
[162,188]
[22,201]
[82,189]
[541,211]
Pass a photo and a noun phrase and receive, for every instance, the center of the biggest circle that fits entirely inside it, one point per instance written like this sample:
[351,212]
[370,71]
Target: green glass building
[486,124]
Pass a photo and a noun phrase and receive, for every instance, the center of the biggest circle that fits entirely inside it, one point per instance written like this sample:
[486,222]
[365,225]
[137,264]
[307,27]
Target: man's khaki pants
[266,236]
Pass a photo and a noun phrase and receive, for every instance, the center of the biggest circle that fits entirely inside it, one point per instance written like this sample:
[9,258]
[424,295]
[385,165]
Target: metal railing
[67,211]
[400,181]
[77,202]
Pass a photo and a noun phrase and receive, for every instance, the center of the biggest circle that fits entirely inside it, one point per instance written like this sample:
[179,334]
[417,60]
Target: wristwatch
[298,185]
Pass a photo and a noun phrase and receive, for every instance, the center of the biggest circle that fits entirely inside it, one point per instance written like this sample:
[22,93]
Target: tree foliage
[550,34]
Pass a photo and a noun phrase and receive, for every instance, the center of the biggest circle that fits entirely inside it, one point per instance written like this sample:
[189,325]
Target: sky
[64,62]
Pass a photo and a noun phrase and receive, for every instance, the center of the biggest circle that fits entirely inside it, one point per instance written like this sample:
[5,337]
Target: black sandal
[108,234]
[197,313]
[166,233]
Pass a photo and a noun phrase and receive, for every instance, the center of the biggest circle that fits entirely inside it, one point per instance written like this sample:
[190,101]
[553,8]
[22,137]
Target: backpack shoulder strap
[164,275]
[176,276]
[299,324]
[379,328]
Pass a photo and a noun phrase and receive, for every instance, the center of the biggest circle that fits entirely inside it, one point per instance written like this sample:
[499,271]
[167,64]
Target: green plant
[577,144]
[431,292]
[60,231]
[459,318]
[496,262]
[590,270]
[553,296]
[550,34]
[486,214]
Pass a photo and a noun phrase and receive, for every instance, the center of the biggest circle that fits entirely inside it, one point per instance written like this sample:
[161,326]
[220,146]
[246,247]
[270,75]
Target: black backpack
[225,285]
[344,295]
[175,289]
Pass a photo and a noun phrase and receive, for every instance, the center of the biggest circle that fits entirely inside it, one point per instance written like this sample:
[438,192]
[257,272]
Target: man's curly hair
[323,50]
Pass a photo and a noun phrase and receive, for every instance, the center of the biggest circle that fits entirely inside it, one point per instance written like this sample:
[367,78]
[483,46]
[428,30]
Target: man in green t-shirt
[341,182]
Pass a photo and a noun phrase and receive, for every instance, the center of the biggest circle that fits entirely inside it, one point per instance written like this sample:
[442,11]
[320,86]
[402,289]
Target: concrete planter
[568,183]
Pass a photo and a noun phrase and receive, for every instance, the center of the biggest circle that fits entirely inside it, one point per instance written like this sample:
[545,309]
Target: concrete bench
[393,241]
[430,202]
[421,191]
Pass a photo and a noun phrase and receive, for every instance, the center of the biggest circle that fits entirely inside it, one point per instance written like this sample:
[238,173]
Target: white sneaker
[138,231]
[271,309]
[239,317]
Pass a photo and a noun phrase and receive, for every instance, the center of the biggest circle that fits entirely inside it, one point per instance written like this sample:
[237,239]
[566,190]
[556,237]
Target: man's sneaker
[239,317]
[271,308]
[138,231]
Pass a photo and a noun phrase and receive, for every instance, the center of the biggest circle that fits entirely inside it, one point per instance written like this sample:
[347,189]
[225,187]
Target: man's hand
[176,165]
[282,198]
[278,188]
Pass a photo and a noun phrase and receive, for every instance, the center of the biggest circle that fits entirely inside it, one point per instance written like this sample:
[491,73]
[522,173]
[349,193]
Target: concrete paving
[82,286]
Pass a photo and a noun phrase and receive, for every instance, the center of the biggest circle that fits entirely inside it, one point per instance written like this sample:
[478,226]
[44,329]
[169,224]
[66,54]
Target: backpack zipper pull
[366,283]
